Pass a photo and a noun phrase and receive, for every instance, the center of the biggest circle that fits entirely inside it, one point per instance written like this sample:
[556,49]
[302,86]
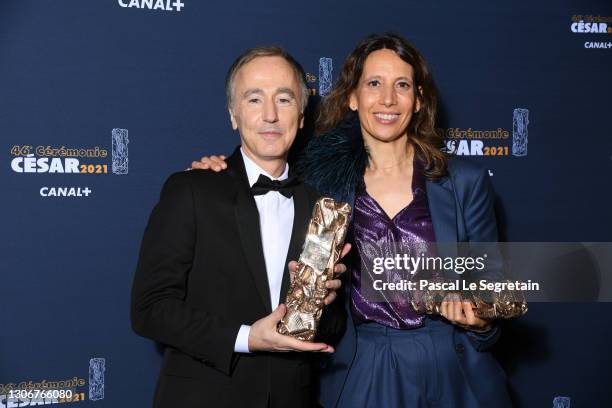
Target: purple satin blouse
[409,232]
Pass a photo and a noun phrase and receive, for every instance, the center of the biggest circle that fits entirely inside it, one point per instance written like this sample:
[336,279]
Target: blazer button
[459,348]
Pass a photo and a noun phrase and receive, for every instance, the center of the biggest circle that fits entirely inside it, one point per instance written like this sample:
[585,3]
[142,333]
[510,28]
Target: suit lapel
[302,208]
[443,214]
[247,222]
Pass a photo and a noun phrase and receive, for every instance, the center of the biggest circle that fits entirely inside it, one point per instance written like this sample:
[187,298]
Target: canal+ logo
[163,5]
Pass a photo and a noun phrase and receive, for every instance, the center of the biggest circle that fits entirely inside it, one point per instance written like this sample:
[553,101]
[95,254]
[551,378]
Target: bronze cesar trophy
[321,250]
[487,304]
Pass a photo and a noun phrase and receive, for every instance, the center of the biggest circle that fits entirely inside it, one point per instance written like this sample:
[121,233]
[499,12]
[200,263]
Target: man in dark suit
[212,267]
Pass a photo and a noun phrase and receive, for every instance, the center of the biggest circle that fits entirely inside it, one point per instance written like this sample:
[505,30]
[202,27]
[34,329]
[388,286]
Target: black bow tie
[265,184]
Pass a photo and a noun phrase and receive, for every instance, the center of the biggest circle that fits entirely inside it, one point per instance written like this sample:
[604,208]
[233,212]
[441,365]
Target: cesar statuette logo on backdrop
[596,26]
[53,391]
[86,162]
[491,142]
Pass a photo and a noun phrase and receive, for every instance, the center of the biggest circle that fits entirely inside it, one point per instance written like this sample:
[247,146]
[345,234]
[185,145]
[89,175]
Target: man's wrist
[242,339]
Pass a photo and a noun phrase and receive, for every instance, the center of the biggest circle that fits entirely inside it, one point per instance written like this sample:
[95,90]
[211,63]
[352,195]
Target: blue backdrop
[101,100]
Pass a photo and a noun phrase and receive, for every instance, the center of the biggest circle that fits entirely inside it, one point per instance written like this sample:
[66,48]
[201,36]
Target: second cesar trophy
[321,250]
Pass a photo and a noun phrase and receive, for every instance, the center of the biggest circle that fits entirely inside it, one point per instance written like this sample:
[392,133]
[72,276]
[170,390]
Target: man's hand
[334,284]
[215,163]
[461,313]
[263,336]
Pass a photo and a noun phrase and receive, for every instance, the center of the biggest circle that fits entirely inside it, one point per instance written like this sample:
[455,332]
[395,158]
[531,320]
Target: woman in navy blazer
[461,206]
[356,123]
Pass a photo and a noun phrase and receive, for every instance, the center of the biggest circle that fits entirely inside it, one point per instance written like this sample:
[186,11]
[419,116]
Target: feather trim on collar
[334,162]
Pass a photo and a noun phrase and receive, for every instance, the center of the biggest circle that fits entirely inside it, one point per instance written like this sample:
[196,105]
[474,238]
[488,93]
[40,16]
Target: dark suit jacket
[201,274]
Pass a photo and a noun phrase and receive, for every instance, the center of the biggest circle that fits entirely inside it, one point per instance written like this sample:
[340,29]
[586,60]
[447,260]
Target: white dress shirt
[276,222]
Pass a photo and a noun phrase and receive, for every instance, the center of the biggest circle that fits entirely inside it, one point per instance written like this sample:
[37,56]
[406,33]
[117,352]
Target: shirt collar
[253,170]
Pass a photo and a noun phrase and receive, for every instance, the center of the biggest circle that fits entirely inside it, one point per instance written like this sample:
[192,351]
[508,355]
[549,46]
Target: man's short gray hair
[265,51]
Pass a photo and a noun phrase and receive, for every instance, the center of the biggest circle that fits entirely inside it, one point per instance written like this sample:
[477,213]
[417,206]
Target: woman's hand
[214,163]
[461,313]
